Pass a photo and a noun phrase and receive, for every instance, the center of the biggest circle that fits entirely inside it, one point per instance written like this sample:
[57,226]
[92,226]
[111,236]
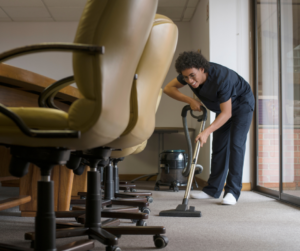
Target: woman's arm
[219,121]
[171,89]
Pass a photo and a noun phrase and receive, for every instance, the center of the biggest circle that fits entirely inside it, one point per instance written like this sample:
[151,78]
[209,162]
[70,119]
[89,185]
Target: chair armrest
[88,48]
[38,133]
[46,98]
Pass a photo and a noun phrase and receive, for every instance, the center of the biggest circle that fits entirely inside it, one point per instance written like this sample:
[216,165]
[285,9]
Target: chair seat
[123,153]
[128,151]
[46,119]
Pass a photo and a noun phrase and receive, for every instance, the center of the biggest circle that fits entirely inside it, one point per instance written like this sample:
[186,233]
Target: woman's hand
[195,105]
[202,137]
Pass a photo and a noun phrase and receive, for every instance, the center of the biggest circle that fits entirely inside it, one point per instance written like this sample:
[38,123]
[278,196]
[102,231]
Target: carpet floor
[255,223]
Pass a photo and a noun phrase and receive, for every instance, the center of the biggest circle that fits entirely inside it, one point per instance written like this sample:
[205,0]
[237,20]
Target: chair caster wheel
[134,221]
[141,223]
[149,199]
[146,211]
[160,241]
[112,248]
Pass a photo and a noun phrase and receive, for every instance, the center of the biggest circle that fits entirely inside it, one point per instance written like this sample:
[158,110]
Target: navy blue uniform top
[221,85]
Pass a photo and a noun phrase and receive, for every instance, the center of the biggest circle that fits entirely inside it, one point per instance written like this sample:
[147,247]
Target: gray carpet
[255,223]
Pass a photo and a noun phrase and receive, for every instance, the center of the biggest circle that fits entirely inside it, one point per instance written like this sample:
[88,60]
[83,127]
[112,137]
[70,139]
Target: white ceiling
[70,10]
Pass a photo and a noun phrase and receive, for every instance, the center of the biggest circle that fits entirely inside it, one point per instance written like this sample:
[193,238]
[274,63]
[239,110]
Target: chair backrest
[158,99]
[138,148]
[105,81]
[152,70]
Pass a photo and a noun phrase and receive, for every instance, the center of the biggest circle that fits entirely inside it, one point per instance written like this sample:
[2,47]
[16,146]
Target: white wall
[200,29]
[55,65]
[200,41]
[229,44]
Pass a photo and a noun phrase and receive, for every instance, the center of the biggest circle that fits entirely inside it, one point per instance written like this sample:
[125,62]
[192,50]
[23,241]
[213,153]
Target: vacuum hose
[203,117]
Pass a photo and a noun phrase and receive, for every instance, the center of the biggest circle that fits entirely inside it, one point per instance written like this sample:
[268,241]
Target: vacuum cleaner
[182,210]
[172,162]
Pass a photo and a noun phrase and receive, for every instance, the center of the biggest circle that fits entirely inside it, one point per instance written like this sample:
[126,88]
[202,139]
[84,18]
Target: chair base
[95,233]
[45,159]
[92,226]
[110,230]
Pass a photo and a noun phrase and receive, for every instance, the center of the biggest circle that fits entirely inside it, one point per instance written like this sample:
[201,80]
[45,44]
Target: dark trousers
[228,151]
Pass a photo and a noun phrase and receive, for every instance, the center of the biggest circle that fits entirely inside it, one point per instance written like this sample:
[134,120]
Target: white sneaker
[229,199]
[201,195]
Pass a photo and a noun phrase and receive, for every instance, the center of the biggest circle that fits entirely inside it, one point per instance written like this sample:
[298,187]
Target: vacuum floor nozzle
[181,211]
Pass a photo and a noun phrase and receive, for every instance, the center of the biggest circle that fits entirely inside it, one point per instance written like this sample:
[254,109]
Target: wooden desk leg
[63,181]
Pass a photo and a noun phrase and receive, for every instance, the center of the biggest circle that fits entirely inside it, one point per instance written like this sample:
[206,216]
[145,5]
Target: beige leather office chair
[152,69]
[139,149]
[119,156]
[44,136]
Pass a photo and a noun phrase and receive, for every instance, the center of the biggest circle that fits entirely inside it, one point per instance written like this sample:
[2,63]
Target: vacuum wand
[182,210]
[193,167]
[191,176]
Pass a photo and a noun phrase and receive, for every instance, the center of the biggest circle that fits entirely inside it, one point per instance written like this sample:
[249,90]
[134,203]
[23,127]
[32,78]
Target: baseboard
[246,187]
[202,183]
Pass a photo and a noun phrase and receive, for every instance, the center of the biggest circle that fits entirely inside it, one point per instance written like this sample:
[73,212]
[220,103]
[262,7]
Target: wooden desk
[20,87]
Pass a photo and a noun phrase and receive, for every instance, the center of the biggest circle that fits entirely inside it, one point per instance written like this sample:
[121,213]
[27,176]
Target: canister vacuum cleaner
[182,210]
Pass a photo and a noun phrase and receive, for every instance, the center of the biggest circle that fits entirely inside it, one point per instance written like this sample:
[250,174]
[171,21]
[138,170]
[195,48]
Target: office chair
[45,136]
[141,123]
[152,69]
[119,156]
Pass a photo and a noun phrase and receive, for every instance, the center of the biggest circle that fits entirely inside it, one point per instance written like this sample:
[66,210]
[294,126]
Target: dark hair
[191,59]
